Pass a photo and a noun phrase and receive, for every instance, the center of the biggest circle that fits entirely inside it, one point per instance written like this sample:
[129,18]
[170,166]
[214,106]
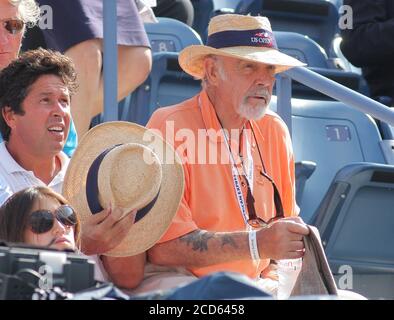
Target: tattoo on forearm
[199,240]
[228,240]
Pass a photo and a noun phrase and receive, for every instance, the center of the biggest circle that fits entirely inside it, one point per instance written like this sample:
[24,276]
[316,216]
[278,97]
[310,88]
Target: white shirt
[14,178]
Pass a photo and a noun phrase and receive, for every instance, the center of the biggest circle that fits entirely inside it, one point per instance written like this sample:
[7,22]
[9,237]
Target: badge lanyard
[234,172]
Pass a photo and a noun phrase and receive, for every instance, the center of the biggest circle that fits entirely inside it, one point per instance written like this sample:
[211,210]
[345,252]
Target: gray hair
[28,11]
[220,67]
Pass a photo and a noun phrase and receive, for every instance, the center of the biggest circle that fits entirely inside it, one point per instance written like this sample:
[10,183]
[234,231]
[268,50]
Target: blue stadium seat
[167,38]
[337,3]
[170,35]
[302,48]
[204,10]
[310,52]
[317,19]
[331,135]
[167,83]
[346,65]
[356,223]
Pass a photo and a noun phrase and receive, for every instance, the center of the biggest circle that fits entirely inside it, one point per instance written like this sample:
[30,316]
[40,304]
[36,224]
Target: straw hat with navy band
[237,36]
[130,167]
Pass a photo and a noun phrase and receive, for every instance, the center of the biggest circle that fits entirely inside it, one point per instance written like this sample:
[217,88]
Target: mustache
[262,92]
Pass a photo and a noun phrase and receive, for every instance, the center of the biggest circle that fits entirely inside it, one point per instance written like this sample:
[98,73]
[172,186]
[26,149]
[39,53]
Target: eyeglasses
[254,221]
[42,221]
[13,26]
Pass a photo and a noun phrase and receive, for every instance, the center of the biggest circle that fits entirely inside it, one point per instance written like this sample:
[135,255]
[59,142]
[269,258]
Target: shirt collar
[64,160]
[210,118]
[9,163]
[11,166]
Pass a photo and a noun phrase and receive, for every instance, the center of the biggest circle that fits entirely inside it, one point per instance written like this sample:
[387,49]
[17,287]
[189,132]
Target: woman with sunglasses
[39,216]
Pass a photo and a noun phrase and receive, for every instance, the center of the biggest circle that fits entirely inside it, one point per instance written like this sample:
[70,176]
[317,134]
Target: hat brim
[191,58]
[146,232]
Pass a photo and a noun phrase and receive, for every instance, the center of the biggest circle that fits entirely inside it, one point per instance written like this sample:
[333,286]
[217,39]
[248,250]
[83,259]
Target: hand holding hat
[124,164]
[104,231]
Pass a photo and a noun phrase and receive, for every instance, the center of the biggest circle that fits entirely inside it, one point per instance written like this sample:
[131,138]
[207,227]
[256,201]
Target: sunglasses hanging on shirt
[253,219]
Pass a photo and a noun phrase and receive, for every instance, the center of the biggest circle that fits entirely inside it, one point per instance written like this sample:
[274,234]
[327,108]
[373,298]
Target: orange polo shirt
[209,201]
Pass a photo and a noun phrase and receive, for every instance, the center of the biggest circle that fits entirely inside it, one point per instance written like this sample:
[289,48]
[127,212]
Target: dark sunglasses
[42,221]
[13,26]
[254,221]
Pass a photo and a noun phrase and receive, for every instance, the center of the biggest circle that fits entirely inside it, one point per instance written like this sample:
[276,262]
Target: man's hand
[282,239]
[105,230]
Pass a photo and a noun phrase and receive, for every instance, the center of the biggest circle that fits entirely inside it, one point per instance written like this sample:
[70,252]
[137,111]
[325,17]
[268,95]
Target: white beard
[252,112]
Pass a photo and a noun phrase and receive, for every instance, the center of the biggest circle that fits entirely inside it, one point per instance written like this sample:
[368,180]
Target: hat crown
[129,176]
[236,22]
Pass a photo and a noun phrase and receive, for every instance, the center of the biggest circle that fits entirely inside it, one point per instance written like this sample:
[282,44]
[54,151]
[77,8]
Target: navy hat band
[92,189]
[249,38]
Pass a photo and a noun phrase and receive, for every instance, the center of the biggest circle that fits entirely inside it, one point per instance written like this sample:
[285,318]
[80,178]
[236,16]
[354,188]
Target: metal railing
[110,61]
[330,88]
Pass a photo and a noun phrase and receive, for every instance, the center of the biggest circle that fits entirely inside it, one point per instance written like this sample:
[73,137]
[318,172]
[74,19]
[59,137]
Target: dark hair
[14,213]
[20,74]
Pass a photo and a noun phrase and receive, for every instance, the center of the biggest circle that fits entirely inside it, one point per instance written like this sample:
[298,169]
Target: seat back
[170,35]
[310,52]
[204,10]
[167,83]
[331,135]
[302,48]
[317,19]
[356,222]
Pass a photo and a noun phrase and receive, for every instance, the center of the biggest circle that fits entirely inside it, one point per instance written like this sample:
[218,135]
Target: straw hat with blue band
[133,168]
[237,36]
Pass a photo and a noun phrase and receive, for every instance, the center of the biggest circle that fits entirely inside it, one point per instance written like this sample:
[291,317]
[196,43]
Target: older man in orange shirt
[238,158]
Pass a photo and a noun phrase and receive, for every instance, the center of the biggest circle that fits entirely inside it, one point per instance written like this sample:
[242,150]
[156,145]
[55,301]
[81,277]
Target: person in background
[77,32]
[369,44]
[181,10]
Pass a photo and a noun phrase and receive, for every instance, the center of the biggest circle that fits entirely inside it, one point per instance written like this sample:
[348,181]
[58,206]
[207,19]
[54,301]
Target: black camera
[25,271]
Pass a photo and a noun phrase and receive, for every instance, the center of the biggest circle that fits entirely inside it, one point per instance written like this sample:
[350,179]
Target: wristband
[254,250]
